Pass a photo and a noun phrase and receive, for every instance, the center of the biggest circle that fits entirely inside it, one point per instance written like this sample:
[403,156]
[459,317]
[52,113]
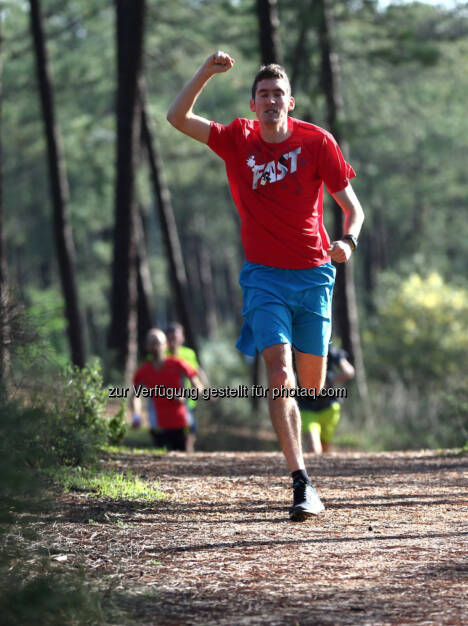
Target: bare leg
[313,442]
[311,370]
[190,442]
[284,413]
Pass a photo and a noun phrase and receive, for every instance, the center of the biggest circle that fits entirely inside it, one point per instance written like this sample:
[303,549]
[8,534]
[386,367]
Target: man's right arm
[181,115]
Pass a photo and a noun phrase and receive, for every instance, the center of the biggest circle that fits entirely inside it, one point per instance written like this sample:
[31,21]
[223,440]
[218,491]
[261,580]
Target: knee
[316,385]
[281,376]
[314,380]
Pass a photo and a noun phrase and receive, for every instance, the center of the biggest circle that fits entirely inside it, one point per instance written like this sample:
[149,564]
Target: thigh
[278,358]
[310,421]
[329,419]
[311,369]
[312,320]
[271,324]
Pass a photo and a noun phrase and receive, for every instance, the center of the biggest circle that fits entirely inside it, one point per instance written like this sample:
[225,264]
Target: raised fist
[219,62]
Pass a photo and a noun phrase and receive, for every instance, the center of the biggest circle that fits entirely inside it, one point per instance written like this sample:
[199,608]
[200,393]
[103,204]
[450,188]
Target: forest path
[389,549]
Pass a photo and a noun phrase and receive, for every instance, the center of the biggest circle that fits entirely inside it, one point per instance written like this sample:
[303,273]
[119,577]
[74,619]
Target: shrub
[419,334]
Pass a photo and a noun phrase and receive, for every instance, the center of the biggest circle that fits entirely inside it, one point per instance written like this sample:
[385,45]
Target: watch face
[352,239]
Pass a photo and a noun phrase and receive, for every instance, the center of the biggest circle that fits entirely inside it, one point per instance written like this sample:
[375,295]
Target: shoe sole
[300,515]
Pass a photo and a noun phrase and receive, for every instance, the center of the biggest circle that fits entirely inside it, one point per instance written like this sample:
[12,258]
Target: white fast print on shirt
[273,172]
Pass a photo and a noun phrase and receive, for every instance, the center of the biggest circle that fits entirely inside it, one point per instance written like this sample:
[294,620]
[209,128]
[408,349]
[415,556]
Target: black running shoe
[306,502]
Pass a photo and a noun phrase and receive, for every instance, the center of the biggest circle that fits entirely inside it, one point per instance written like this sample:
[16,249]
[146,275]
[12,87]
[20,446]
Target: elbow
[171,118]
[175,120]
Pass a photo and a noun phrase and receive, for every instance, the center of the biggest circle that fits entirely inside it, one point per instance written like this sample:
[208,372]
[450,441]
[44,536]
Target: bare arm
[197,383]
[181,115]
[340,250]
[135,408]
[346,373]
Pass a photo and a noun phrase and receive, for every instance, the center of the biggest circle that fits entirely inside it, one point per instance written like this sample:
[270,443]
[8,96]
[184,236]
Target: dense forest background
[403,74]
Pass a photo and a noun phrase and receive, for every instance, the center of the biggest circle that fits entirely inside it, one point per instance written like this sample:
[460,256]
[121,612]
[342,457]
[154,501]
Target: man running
[164,377]
[175,347]
[276,166]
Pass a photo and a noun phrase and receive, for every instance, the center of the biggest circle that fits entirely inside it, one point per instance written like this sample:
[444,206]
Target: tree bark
[144,285]
[268,23]
[203,256]
[345,301]
[168,227]
[4,327]
[59,192]
[268,29]
[130,41]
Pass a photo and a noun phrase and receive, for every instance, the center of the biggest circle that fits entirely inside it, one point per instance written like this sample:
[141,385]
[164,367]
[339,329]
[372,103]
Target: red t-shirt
[277,188]
[170,413]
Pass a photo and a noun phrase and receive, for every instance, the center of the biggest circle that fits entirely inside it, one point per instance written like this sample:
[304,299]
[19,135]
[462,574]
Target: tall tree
[346,306]
[268,22]
[3,262]
[168,224]
[123,329]
[59,191]
[203,258]
[144,285]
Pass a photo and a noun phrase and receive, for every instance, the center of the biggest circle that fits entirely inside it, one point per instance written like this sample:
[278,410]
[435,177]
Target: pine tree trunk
[4,330]
[268,23]
[194,284]
[345,293]
[144,285]
[123,329]
[268,29]
[206,282]
[169,227]
[59,192]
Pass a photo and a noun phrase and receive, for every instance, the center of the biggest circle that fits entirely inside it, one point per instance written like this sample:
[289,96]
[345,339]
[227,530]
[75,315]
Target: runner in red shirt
[164,377]
[276,166]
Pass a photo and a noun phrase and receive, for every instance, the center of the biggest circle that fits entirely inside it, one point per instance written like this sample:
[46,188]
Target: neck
[158,360]
[275,133]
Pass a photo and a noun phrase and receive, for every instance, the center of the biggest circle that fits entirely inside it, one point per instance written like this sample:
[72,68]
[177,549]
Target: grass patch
[137,451]
[106,483]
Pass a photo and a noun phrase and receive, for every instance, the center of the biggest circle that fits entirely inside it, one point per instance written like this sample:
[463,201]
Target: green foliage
[80,428]
[77,430]
[52,598]
[419,333]
[32,590]
[417,351]
[117,426]
[19,450]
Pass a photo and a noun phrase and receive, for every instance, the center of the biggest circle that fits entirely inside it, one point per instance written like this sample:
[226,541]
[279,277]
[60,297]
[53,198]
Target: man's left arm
[197,383]
[340,251]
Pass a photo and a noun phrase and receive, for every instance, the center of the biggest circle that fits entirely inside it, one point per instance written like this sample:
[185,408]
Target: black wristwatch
[352,239]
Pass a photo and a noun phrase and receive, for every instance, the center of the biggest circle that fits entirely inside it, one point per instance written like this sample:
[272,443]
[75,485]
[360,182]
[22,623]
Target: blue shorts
[286,306]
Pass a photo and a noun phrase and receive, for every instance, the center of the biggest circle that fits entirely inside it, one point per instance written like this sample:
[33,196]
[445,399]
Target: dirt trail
[390,548]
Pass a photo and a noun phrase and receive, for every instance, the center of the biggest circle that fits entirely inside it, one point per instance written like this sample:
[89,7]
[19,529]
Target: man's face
[175,338]
[272,101]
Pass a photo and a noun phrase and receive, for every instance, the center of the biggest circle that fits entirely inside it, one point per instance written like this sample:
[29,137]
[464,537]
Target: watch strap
[352,239]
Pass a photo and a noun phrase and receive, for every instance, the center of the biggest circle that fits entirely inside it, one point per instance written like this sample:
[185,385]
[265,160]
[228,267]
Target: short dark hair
[172,327]
[272,70]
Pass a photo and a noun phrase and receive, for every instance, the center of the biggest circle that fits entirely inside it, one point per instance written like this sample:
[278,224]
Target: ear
[291,104]
[252,105]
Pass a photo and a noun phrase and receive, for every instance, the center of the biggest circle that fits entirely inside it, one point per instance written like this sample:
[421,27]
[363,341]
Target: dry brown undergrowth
[390,548]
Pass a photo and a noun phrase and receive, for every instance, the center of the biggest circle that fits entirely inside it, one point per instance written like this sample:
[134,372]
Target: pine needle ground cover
[219,549]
